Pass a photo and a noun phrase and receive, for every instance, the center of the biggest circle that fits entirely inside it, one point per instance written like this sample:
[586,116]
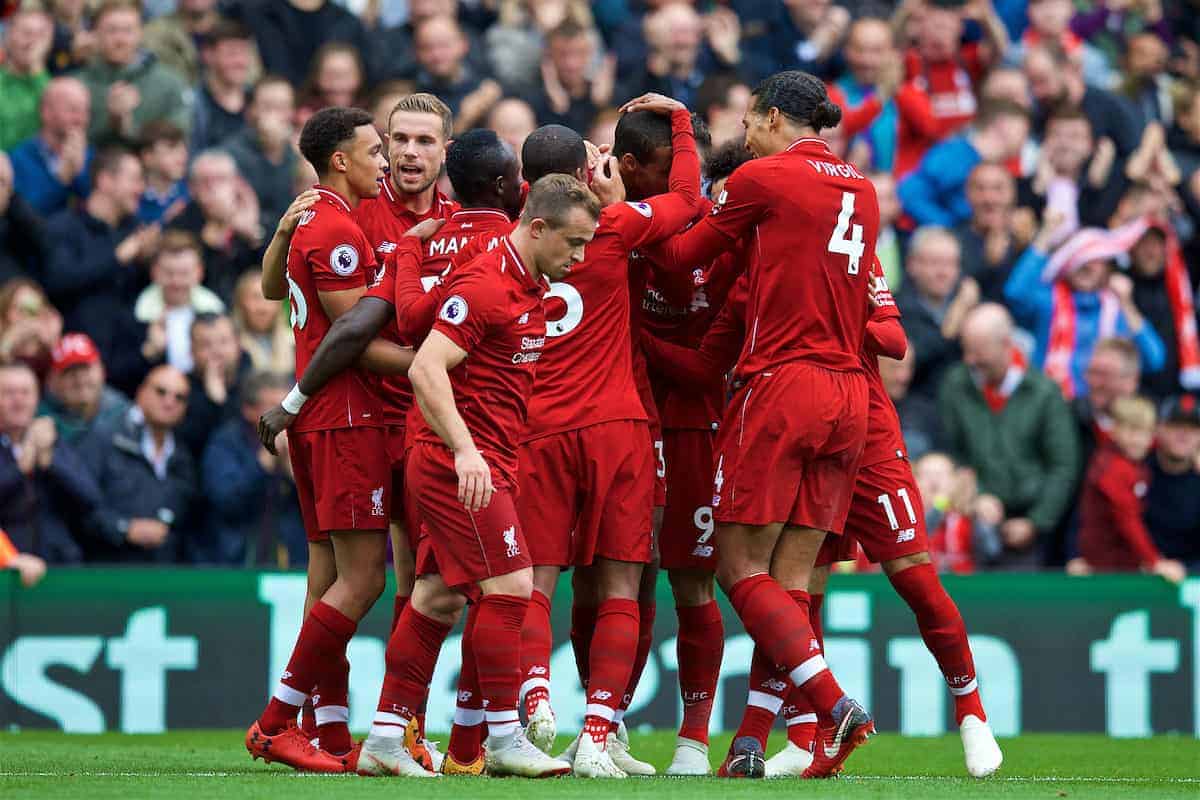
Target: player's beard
[394,175]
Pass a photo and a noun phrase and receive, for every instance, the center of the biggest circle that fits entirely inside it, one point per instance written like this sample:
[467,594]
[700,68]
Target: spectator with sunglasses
[146,475]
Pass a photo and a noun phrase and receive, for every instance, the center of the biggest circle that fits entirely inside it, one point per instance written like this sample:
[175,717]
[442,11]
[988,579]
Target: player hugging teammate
[534,378]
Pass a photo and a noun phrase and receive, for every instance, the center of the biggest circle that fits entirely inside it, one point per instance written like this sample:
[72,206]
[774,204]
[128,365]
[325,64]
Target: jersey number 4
[838,243]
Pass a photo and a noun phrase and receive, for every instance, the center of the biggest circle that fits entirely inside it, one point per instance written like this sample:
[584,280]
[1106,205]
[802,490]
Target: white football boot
[691,758]
[516,755]
[593,762]
[542,728]
[790,762]
[618,749]
[982,754]
[387,755]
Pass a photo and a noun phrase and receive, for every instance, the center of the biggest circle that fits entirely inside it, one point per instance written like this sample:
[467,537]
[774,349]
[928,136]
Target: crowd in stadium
[1044,156]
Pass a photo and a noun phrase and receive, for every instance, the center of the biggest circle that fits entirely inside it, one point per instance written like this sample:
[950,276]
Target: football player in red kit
[800,414]
[341,479]
[462,478]
[587,474]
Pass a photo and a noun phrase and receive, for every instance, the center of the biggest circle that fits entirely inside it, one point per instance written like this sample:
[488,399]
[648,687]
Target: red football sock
[466,736]
[699,647]
[613,649]
[815,602]
[945,635]
[646,612]
[583,625]
[786,637]
[536,643]
[322,641]
[398,604]
[331,701]
[797,711]
[412,653]
[768,686]
[498,656]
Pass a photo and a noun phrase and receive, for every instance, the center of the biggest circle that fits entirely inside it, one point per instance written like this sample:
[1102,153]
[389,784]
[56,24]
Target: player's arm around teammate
[274,266]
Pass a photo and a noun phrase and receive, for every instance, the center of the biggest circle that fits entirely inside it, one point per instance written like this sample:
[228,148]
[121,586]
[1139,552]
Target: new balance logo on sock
[906,535]
[537,670]
[510,539]
[464,696]
[813,644]
[602,694]
[775,685]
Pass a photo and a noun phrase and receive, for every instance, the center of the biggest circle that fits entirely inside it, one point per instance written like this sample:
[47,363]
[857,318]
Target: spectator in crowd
[147,479]
[1112,534]
[289,33]
[918,414]
[935,192]
[45,487]
[569,95]
[604,129]
[513,120]
[391,55]
[160,329]
[444,71]
[962,537]
[1145,81]
[128,85]
[1072,299]
[263,330]
[802,35]
[383,100]
[22,241]
[223,215]
[867,93]
[29,326]
[1172,504]
[227,53]
[174,38]
[990,239]
[934,301]
[722,101]
[1056,80]
[263,149]
[74,43]
[1050,23]
[517,45]
[78,398]
[1108,26]
[253,515]
[1162,292]
[164,155]
[53,167]
[337,78]
[30,569]
[96,248]
[23,74]
[1112,374]
[218,369]
[888,247]
[1010,424]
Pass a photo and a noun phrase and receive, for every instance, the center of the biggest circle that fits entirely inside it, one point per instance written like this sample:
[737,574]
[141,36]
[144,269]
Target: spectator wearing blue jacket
[51,168]
[935,193]
[1072,299]
[253,516]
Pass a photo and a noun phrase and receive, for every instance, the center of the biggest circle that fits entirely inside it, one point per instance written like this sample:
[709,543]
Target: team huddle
[594,369]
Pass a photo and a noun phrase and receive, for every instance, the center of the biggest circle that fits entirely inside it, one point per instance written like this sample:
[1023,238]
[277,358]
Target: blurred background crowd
[1038,170]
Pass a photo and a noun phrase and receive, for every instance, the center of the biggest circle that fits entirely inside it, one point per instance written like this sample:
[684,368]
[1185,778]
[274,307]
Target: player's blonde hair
[425,103]
[1134,412]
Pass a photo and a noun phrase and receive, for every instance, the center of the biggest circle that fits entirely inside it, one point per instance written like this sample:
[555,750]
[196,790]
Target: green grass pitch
[213,765]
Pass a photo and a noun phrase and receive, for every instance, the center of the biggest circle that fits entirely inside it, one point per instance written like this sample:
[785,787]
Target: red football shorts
[342,480]
[837,548]
[401,513]
[789,448]
[658,453]
[467,547]
[886,514]
[686,540]
[588,493]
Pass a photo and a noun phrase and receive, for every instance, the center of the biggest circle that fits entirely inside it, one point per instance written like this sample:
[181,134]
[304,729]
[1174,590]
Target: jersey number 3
[838,243]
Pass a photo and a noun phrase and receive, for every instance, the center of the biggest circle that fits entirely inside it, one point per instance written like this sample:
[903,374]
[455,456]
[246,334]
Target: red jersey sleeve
[415,308]
[717,353]
[466,312]
[1118,486]
[884,335]
[741,205]
[641,223]
[343,260]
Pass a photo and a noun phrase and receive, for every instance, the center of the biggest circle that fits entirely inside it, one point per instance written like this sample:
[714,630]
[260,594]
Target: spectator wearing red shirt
[1112,535]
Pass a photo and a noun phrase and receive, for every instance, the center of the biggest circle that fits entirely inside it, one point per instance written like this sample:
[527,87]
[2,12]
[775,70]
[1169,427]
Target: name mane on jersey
[834,170]
[447,246]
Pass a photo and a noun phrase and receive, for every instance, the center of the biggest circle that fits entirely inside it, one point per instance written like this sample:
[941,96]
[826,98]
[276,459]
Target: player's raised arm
[274,266]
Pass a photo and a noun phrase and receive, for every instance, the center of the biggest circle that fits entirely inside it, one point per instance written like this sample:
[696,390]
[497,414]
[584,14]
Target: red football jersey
[493,310]
[949,91]
[586,376]
[884,439]
[449,245]
[384,220]
[810,221]
[329,253]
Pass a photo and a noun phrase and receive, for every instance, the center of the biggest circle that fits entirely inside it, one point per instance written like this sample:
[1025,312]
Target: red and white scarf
[1183,311]
[996,396]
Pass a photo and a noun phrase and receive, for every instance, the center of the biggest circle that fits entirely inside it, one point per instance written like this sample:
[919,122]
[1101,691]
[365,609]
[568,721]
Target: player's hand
[658,103]
[606,182]
[31,569]
[1018,533]
[475,487]
[271,424]
[425,229]
[1169,568]
[146,533]
[595,153]
[291,218]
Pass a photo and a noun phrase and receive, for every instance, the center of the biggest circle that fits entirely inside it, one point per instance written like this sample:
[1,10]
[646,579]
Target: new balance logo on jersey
[523,319]
[377,502]
[510,539]
[602,695]
[306,217]
[385,248]
[703,550]
[906,535]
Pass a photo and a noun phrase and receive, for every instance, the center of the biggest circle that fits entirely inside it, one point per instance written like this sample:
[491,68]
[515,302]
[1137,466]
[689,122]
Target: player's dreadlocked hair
[473,163]
[550,149]
[799,96]
[725,159]
[327,130]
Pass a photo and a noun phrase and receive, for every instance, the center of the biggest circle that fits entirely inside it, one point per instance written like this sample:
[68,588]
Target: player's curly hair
[800,97]
[725,159]
[327,130]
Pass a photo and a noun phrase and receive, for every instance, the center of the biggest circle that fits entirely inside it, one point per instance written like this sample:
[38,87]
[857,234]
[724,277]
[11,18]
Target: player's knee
[435,600]
[897,565]
[691,587]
